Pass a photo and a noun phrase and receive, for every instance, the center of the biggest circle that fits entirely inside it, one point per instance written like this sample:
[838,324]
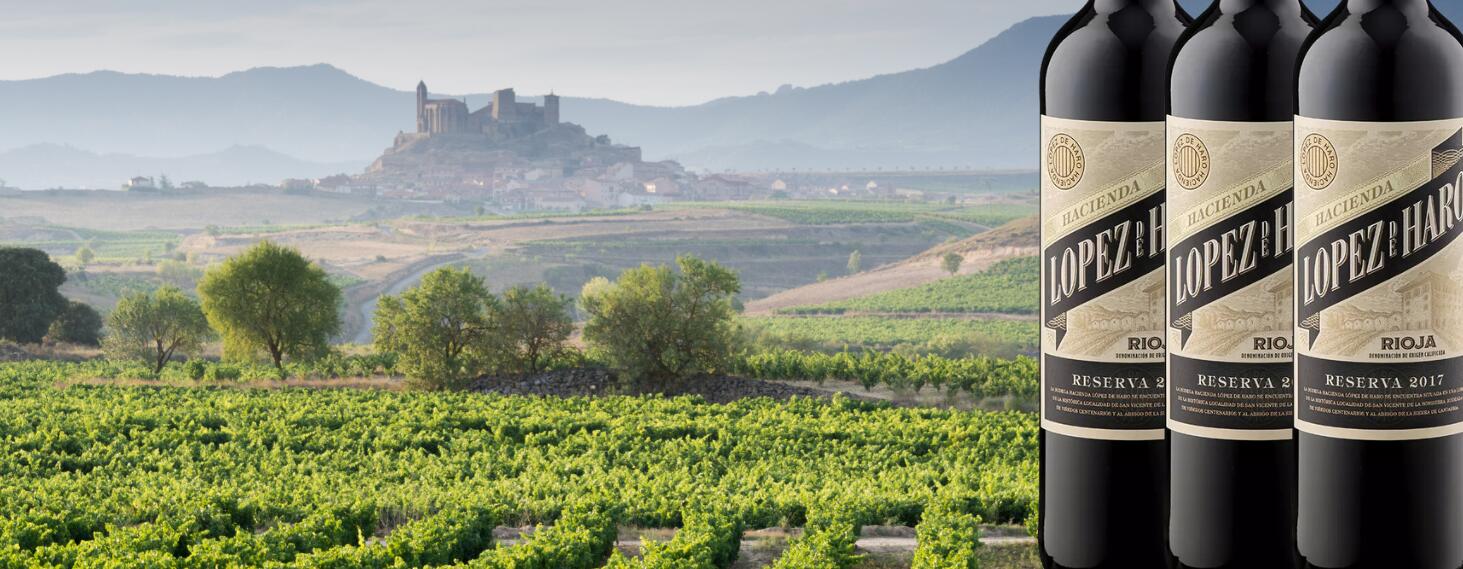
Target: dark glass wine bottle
[1379,342]
[1230,286]
[1104,473]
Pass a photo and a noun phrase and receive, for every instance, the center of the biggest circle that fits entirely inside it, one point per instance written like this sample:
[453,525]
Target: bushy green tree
[271,300]
[84,255]
[79,324]
[656,324]
[154,327]
[855,262]
[534,325]
[951,262]
[441,329]
[30,297]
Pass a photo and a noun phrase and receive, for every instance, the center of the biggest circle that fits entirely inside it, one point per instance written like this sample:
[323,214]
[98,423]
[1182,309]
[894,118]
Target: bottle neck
[1406,6]
[1160,7]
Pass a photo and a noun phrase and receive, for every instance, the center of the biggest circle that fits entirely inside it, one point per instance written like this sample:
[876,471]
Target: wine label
[1102,282]
[1379,279]
[1230,241]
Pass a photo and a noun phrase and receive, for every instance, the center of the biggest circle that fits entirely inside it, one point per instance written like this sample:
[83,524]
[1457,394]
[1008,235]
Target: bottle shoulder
[1383,67]
[1238,67]
[1106,66]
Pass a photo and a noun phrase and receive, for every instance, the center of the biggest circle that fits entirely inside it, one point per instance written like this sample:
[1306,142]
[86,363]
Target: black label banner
[1100,258]
[1251,243]
[1379,245]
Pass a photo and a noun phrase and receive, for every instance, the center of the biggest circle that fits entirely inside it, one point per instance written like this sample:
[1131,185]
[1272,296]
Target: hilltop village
[518,155]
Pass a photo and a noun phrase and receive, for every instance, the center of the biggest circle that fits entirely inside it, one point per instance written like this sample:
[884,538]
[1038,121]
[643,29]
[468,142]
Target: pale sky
[662,52]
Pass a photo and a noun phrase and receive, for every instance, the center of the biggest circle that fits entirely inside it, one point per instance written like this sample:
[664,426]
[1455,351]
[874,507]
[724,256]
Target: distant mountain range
[977,110]
[44,166]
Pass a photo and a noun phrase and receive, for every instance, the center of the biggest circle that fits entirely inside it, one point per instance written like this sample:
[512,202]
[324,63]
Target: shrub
[79,324]
[659,325]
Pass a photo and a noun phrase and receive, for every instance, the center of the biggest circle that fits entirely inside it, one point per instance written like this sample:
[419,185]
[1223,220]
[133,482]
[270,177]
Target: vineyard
[101,475]
[882,333]
[852,212]
[1007,287]
[978,376]
[115,246]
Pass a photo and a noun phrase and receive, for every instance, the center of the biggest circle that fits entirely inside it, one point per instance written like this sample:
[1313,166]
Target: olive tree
[657,324]
[951,262]
[271,300]
[534,325]
[441,329]
[154,327]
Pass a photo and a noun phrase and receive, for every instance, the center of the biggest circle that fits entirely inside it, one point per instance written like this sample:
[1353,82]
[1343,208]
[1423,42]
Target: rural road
[367,307]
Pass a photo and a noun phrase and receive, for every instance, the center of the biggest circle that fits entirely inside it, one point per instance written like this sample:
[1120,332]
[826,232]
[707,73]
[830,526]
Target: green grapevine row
[1006,287]
[827,543]
[948,539]
[582,539]
[881,332]
[706,540]
[979,376]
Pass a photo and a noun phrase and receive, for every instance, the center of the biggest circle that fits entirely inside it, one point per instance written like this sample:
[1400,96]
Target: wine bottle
[1230,286]
[1379,302]
[1104,473]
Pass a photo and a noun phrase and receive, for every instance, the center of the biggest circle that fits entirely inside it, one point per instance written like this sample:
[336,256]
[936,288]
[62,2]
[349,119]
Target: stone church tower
[505,115]
[421,106]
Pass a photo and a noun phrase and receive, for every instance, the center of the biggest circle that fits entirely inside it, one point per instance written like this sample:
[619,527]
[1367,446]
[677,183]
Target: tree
[30,297]
[535,325]
[439,329]
[855,262]
[659,325]
[178,273]
[84,255]
[79,324]
[270,299]
[154,327]
[951,262]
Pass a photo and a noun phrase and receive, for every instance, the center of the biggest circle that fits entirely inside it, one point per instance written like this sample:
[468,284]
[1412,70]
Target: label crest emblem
[1191,161]
[1318,162]
[1065,162]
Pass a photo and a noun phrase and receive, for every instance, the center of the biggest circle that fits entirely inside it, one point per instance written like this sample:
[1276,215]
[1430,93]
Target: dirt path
[363,299]
[761,547]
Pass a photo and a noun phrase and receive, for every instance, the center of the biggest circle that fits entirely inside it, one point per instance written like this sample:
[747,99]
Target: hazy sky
[665,52]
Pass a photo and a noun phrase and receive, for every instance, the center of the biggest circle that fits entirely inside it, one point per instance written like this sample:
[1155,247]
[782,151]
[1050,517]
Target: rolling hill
[1015,239]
